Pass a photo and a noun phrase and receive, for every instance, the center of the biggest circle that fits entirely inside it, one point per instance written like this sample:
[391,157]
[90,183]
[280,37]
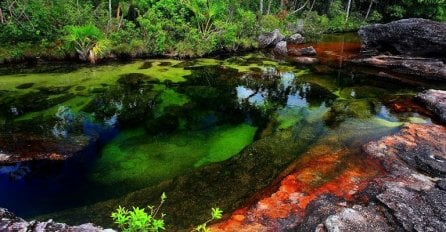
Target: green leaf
[158,224]
[163,197]
[217,213]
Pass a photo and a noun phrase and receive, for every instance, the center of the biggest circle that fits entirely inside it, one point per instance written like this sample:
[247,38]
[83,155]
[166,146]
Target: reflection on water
[198,122]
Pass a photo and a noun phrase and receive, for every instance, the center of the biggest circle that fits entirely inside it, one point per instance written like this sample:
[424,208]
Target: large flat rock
[426,68]
[415,159]
[412,37]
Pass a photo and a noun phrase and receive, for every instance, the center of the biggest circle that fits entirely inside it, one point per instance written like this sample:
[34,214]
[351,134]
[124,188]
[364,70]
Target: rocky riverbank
[281,47]
[407,195]
[10,222]
[415,47]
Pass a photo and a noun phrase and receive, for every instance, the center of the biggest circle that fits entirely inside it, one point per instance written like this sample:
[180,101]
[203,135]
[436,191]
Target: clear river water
[209,132]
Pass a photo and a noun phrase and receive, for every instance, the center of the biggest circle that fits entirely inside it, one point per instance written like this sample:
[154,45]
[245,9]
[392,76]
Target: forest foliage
[99,28]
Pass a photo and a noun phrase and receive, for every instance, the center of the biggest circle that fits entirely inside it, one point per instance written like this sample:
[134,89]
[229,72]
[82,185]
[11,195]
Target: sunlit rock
[270,39]
[10,222]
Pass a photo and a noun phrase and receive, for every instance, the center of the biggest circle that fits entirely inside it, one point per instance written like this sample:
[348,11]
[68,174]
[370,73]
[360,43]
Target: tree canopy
[189,27]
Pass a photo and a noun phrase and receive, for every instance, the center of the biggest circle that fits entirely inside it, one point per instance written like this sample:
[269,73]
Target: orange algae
[320,171]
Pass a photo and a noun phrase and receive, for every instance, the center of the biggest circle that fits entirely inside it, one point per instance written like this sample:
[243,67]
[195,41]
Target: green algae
[135,157]
[169,98]
[344,109]
[288,117]
[92,76]
[359,92]
[75,104]
[25,86]
[227,184]
[227,143]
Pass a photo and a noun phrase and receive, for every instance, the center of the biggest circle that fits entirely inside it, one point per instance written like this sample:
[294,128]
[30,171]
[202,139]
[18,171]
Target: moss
[135,157]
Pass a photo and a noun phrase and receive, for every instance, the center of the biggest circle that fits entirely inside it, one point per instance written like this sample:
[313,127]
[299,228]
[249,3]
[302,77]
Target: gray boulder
[281,48]
[413,37]
[10,222]
[358,218]
[434,100]
[270,39]
[296,39]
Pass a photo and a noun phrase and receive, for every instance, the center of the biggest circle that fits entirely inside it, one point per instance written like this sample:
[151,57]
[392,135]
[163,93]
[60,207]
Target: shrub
[269,22]
[84,39]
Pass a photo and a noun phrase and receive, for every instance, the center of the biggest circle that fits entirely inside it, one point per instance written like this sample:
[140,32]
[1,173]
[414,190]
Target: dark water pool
[209,132]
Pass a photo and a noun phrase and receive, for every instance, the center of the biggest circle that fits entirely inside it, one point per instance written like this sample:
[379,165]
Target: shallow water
[209,132]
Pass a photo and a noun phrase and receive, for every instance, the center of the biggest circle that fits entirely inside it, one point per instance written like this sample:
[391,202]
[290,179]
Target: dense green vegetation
[90,29]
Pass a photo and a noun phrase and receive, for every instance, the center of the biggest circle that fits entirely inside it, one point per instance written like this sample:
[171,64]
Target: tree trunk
[2,19]
[269,7]
[110,9]
[348,9]
[312,5]
[368,10]
[261,7]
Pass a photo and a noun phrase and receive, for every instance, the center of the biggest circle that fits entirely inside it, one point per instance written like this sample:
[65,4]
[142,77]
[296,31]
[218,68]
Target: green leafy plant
[85,38]
[138,220]
[216,214]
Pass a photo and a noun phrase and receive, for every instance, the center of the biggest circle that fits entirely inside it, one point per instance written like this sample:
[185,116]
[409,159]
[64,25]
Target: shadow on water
[210,132]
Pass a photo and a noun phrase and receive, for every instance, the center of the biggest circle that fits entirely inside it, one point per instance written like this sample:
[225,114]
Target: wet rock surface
[10,222]
[407,196]
[412,37]
[270,39]
[308,51]
[281,48]
[430,69]
[15,148]
[358,218]
[434,100]
[414,47]
[414,159]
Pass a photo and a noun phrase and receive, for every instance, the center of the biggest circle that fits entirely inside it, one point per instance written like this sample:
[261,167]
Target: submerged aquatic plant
[138,220]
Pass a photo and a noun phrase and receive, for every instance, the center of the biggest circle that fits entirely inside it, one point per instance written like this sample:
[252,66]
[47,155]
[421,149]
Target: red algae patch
[319,171]
[330,52]
[407,105]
